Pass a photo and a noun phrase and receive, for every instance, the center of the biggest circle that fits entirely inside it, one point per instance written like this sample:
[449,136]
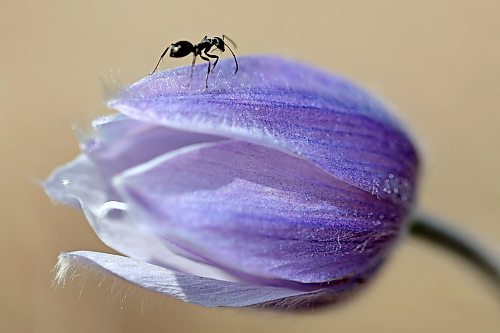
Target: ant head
[219,43]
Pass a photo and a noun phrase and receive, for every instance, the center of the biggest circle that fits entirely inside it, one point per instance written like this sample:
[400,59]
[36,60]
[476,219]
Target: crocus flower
[282,184]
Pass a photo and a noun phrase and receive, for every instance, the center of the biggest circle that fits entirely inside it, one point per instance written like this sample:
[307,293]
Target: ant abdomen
[181,49]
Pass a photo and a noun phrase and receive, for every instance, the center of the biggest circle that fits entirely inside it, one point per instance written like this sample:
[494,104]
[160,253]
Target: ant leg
[213,56]
[208,70]
[161,57]
[192,68]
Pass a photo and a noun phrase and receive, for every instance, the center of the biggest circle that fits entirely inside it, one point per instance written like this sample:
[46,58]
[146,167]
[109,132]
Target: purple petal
[262,213]
[288,106]
[193,289]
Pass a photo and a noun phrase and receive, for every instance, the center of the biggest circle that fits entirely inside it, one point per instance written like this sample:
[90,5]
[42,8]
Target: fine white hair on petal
[69,267]
[61,269]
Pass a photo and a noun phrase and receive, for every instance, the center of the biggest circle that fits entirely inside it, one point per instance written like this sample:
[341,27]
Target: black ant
[182,48]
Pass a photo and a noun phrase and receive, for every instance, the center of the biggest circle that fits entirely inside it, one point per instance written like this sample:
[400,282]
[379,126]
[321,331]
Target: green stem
[441,234]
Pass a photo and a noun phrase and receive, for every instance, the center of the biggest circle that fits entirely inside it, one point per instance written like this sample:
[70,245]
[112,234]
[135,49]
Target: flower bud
[281,182]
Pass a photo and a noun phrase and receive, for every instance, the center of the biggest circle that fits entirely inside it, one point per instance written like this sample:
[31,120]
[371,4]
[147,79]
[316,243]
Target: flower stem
[440,233]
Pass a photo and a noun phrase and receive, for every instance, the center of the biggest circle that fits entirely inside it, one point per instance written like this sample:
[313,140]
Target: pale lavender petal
[121,142]
[81,184]
[262,213]
[193,289]
[289,106]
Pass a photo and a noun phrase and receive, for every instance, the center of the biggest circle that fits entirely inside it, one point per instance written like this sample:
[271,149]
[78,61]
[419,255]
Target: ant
[182,48]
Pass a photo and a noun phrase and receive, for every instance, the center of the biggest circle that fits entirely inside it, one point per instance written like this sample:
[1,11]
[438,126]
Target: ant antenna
[235,61]
[162,55]
[230,40]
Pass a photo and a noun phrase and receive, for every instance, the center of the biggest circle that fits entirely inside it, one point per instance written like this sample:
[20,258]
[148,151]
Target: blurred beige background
[437,61]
